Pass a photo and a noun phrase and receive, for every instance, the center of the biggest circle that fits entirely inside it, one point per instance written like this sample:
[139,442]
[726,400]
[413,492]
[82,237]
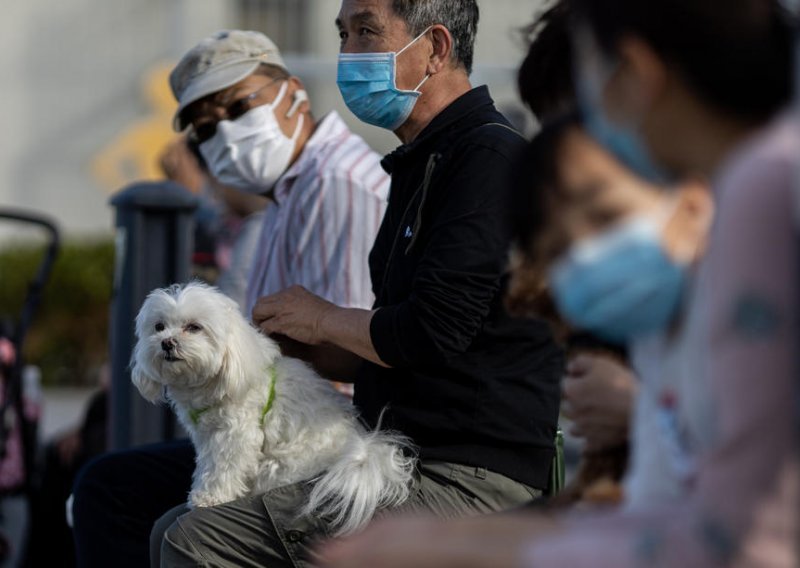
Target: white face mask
[251,153]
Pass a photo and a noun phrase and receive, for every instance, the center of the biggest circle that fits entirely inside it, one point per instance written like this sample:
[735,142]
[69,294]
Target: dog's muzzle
[169,346]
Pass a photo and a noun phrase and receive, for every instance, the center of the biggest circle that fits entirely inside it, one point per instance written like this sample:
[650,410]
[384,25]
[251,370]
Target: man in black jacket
[476,390]
[471,386]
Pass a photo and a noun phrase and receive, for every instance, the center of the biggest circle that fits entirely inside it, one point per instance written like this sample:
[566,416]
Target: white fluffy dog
[259,420]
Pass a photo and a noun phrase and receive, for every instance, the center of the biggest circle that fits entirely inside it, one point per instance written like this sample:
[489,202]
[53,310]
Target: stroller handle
[45,268]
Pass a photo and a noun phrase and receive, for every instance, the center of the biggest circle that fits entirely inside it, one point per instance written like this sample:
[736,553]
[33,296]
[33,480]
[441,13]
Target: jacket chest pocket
[402,264]
[406,250]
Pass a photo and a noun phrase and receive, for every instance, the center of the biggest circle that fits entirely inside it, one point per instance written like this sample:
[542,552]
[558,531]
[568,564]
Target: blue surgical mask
[622,284]
[624,142]
[368,83]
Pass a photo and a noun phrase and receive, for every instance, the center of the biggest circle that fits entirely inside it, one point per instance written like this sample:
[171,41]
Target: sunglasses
[232,110]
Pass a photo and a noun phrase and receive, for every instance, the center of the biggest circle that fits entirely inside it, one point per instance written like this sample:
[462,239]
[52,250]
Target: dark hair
[532,197]
[536,175]
[735,54]
[545,79]
[460,17]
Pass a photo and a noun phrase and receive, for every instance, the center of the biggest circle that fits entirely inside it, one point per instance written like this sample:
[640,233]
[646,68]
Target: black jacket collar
[463,113]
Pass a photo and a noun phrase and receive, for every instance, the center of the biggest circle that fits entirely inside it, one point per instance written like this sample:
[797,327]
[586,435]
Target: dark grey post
[154,243]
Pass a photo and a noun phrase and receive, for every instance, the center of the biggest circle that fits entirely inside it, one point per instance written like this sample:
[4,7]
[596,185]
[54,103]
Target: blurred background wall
[87,108]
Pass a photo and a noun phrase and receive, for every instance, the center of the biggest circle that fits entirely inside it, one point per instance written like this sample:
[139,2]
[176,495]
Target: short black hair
[546,80]
[537,176]
[534,195]
[735,54]
[460,17]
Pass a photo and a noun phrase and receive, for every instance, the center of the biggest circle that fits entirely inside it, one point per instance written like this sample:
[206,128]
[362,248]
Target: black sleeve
[459,275]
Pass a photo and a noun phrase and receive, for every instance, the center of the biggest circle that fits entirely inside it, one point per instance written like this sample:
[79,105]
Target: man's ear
[442,55]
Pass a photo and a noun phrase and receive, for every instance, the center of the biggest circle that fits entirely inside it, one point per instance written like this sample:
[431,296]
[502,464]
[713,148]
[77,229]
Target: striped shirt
[321,227]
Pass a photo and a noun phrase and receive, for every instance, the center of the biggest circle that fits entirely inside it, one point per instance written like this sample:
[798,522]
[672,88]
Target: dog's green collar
[273,378]
[196,413]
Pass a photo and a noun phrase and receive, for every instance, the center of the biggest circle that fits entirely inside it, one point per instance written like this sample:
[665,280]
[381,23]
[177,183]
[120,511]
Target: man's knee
[160,528]
[178,540]
[93,484]
[174,540]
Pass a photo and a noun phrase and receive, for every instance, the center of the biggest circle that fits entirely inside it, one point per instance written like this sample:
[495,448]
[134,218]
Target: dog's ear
[237,362]
[149,388]
[246,357]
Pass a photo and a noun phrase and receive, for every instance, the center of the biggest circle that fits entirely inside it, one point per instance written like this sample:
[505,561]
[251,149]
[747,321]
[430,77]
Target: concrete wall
[80,115]
[72,84]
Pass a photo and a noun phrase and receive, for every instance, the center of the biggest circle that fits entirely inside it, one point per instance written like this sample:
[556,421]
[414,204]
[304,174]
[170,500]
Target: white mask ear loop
[298,128]
[299,98]
[413,41]
[282,93]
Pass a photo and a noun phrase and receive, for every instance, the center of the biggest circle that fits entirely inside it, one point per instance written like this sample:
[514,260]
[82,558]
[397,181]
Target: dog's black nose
[168,344]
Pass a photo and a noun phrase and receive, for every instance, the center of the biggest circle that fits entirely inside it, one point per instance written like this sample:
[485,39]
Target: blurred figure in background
[14,513]
[598,386]
[50,541]
[585,220]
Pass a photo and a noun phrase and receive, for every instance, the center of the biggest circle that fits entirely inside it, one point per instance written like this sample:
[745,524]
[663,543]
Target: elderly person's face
[371,26]
[231,103]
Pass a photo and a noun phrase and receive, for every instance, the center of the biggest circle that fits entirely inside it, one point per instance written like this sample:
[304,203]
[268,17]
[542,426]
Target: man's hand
[180,165]
[598,393]
[484,542]
[300,315]
[295,313]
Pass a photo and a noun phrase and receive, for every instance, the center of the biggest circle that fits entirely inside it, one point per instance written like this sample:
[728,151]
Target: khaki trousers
[264,531]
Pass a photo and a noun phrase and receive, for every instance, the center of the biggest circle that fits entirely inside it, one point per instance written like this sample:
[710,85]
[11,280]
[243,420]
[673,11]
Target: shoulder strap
[501,125]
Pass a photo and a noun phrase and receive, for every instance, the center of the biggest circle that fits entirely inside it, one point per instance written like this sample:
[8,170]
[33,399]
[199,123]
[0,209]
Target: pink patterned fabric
[327,211]
[12,468]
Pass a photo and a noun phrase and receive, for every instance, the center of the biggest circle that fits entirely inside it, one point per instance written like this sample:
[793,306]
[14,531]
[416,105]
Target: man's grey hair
[460,17]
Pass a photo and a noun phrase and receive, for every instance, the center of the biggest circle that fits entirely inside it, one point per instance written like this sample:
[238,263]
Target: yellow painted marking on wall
[134,154]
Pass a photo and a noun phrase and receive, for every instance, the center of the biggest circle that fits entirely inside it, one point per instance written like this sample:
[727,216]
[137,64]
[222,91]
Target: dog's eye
[159,326]
[193,328]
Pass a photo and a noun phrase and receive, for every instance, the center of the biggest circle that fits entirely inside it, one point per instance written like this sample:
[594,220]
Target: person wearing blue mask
[475,389]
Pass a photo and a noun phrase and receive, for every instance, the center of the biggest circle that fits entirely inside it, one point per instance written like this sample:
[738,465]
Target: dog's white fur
[225,366]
